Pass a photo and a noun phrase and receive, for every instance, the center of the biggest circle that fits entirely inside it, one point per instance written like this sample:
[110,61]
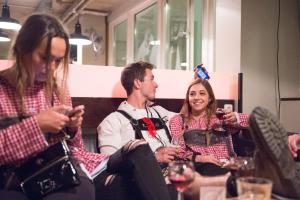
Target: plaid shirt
[23,140]
[219,150]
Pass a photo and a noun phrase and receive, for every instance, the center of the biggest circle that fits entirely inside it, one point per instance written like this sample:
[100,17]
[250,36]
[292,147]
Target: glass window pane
[176,29]
[145,35]
[197,32]
[120,44]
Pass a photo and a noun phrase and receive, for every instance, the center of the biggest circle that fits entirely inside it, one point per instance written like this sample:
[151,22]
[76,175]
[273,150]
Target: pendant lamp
[4,37]
[77,38]
[6,22]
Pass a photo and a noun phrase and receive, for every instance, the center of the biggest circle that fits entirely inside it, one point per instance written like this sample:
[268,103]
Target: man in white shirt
[118,128]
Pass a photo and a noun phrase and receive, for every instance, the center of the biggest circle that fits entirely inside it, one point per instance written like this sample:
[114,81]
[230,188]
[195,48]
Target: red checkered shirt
[219,150]
[22,140]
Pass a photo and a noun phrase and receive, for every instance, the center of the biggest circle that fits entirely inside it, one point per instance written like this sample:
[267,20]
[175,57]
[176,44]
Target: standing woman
[195,125]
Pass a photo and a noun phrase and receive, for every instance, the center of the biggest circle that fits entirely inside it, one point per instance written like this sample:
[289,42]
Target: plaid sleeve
[20,141]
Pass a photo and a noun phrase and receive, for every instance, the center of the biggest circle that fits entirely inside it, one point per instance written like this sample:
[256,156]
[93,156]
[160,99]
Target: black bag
[47,172]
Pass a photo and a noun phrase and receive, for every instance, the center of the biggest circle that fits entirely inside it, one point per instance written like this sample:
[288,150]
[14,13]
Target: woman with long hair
[197,126]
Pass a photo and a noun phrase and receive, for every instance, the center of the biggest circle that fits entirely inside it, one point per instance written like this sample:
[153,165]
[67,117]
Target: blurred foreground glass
[254,188]
[239,167]
[181,174]
[243,166]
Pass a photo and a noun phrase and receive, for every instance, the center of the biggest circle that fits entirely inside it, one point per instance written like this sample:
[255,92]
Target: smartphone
[202,73]
[75,110]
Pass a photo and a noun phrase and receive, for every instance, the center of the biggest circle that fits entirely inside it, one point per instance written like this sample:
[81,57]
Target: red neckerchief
[150,126]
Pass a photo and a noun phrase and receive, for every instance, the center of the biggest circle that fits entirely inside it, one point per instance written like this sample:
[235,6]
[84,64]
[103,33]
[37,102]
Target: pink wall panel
[104,81]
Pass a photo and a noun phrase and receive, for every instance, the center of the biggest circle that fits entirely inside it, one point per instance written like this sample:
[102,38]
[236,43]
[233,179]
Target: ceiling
[66,10]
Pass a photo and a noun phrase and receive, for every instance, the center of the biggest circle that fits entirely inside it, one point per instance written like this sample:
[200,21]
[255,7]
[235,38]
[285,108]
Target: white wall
[259,52]
[228,36]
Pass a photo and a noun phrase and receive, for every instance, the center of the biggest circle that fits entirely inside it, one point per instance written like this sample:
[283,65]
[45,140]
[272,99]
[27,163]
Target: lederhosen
[205,137]
[139,125]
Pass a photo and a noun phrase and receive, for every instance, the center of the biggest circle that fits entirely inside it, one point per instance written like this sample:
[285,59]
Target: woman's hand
[76,117]
[208,159]
[229,117]
[53,120]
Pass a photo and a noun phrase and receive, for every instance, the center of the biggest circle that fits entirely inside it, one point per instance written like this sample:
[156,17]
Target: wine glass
[220,115]
[175,142]
[181,174]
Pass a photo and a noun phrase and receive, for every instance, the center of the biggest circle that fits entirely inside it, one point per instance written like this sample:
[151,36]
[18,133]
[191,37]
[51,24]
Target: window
[145,35]
[167,33]
[176,34]
[120,44]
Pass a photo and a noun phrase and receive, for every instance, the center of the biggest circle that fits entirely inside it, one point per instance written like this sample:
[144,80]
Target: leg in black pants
[11,194]
[136,175]
[84,191]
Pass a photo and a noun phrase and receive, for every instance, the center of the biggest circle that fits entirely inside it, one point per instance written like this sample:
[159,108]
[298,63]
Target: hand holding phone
[75,110]
[202,73]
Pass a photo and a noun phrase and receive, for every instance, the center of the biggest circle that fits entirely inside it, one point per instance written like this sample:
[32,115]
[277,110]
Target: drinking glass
[175,142]
[220,115]
[239,167]
[181,174]
[254,188]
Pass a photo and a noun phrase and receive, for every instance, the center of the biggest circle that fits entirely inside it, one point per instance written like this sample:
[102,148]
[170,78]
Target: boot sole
[271,138]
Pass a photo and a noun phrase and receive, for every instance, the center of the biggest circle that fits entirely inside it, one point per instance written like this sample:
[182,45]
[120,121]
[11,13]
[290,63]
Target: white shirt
[116,130]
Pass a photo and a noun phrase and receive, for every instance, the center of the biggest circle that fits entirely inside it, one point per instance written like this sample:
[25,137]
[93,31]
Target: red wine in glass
[180,182]
[220,115]
[181,174]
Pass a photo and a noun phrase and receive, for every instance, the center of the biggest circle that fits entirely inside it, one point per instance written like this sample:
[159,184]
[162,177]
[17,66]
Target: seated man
[132,119]
[273,159]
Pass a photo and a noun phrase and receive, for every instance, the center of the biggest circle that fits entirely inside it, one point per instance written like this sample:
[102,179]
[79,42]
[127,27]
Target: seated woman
[195,128]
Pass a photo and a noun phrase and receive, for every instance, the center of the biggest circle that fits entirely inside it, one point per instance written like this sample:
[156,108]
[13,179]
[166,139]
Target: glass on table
[242,166]
[181,174]
[239,167]
[254,188]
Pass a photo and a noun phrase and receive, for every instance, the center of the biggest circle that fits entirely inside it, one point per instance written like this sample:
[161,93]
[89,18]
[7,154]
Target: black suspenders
[137,129]
[134,124]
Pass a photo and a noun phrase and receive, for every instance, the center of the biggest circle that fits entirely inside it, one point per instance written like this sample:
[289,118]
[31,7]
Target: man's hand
[293,142]
[166,154]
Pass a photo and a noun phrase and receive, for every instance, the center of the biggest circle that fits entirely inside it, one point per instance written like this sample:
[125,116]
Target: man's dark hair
[134,71]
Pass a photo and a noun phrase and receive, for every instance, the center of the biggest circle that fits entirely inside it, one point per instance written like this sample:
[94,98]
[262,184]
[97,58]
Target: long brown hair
[35,30]
[186,109]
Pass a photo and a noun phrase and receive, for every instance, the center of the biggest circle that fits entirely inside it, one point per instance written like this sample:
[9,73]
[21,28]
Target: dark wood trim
[240,92]
[290,99]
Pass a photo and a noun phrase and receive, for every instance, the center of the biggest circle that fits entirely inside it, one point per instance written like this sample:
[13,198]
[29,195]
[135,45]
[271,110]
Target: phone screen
[201,73]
